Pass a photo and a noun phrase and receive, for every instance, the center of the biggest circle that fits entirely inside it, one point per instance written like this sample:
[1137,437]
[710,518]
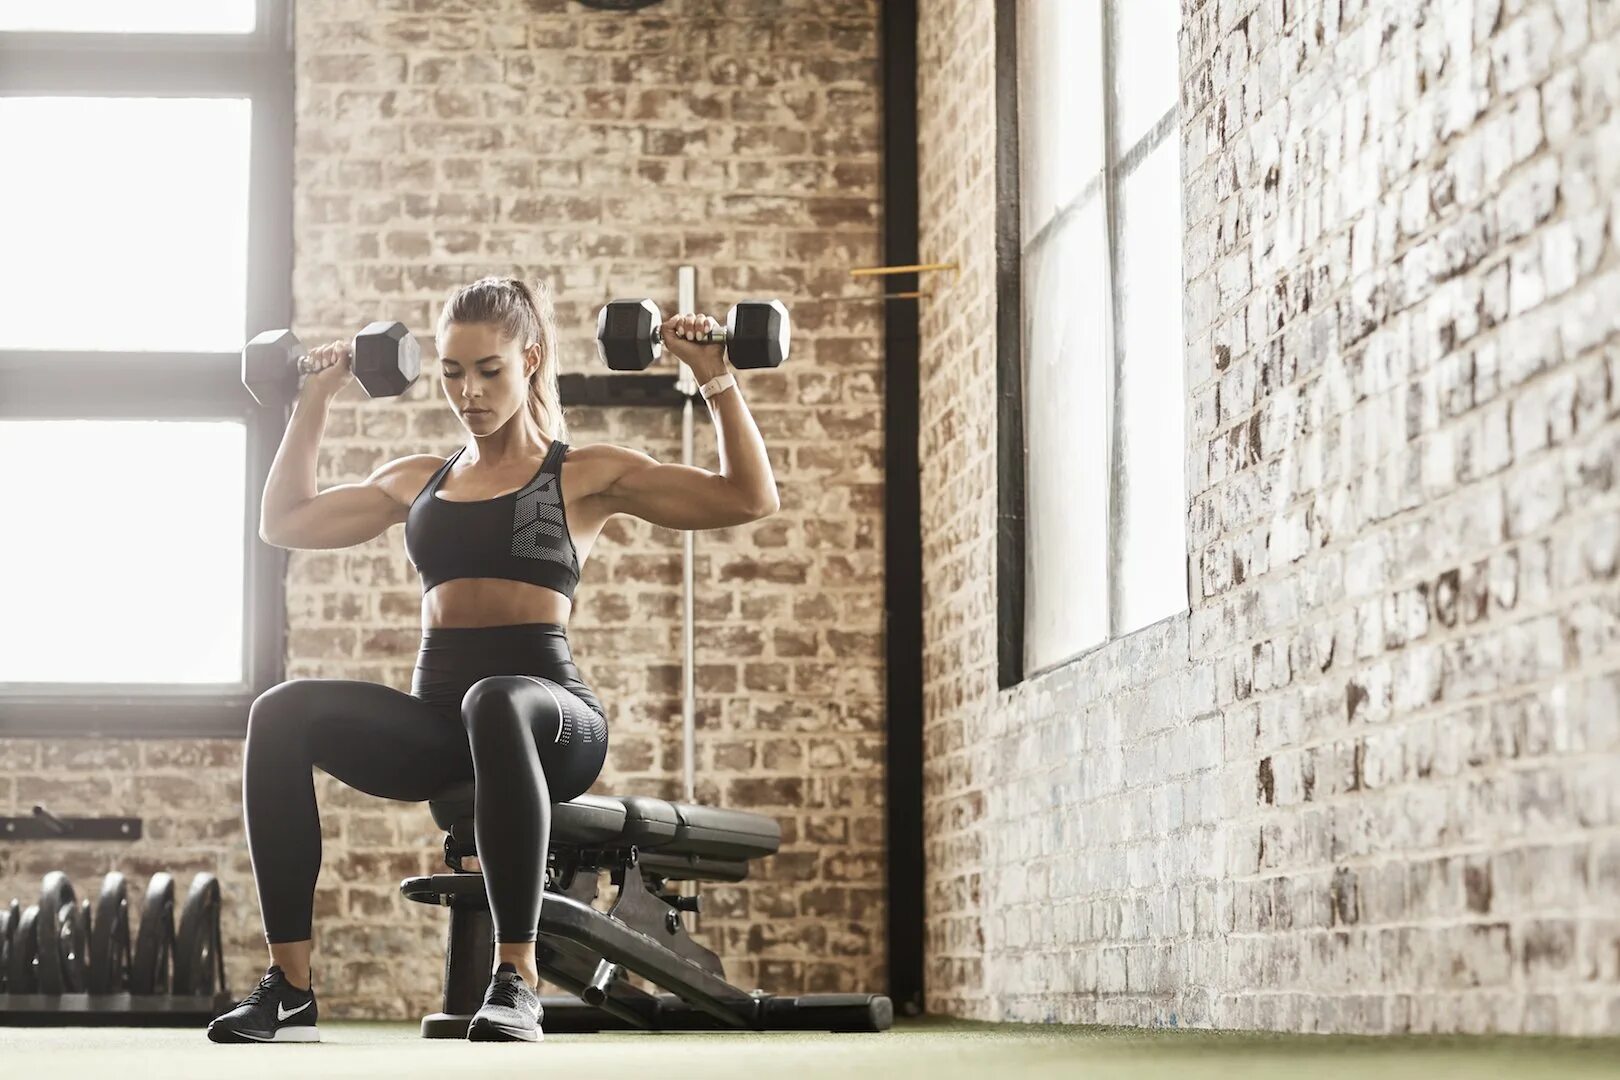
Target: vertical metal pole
[686,286]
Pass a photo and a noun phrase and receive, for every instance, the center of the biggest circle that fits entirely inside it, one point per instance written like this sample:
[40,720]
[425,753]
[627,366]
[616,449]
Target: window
[176,202]
[125,17]
[146,220]
[1093,496]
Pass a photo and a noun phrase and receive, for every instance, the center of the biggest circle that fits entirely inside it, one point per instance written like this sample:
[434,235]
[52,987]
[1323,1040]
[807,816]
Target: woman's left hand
[706,359]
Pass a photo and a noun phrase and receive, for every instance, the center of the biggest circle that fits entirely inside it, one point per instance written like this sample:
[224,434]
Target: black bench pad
[670,828]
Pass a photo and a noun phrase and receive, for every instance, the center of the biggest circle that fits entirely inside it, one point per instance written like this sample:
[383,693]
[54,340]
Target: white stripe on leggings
[562,717]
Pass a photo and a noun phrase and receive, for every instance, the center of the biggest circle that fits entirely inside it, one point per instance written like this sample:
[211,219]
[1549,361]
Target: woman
[498,532]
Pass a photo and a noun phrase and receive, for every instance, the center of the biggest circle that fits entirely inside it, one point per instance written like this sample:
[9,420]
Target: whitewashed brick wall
[1371,781]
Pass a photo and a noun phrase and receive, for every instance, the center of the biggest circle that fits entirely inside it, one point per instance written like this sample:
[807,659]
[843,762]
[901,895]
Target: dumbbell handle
[305,367]
[716,336]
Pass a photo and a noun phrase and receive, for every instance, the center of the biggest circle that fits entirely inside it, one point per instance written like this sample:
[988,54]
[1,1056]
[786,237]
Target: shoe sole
[302,1033]
[487,1032]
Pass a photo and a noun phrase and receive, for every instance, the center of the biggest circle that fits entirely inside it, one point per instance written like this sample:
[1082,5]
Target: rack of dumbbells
[72,961]
[69,961]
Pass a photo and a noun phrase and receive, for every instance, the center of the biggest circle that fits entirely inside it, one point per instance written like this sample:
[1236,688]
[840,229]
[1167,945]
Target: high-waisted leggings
[502,705]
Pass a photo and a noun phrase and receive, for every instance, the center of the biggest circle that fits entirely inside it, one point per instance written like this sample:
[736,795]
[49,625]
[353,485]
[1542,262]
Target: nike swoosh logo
[282,1015]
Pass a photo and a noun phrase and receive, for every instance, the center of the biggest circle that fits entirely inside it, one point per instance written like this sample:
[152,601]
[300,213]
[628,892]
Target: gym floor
[930,1048]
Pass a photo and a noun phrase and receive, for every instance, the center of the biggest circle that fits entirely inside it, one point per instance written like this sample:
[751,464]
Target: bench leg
[469,956]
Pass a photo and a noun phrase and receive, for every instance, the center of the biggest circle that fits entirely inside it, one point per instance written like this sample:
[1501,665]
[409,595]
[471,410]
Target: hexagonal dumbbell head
[270,367]
[386,362]
[627,334]
[757,333]
[387,359]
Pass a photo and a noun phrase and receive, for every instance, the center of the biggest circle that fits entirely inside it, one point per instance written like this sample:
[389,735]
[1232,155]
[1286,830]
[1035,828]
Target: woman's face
[483,375]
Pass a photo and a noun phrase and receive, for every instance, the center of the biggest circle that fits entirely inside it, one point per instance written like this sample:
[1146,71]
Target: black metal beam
[44,825]
[1009,361]
[902,524]
[579,389]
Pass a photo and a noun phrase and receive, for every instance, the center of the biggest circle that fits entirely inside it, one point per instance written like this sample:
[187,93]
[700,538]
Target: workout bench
[645,843]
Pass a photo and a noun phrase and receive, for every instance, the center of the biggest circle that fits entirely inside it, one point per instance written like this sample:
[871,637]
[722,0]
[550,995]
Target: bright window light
[1152,415]
[118,574]
[1066,427]
[130,16]
[1146,84]
[124,223]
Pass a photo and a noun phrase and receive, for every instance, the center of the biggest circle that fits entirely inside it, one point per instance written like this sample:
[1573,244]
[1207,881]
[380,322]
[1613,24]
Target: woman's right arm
[293,513]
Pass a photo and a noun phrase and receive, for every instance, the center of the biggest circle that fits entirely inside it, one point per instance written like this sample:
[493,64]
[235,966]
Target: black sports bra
[519,536]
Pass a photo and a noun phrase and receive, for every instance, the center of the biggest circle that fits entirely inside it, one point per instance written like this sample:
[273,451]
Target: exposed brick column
[541,139]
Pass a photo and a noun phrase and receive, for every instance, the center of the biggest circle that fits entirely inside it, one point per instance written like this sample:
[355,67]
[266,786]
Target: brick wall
[1368,783]
[601,150]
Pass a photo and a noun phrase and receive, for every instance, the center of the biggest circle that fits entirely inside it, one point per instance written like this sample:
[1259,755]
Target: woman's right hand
[333,369]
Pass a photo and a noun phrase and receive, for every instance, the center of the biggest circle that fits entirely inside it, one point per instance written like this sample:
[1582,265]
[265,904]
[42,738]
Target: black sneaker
[510,1013]
[275,1011]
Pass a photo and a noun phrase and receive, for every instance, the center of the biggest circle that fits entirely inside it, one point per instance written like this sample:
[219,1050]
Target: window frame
[171,385]
[1011,446]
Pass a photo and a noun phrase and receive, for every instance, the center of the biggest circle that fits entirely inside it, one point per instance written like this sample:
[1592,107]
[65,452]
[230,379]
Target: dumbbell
[755,334]
[63,937]
[8,926]
[109,938]
[386,362]
[198,964]
[23,975]
[150,969]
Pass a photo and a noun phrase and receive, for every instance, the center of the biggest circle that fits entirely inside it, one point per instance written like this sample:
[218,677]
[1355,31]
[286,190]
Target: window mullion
[1115,368]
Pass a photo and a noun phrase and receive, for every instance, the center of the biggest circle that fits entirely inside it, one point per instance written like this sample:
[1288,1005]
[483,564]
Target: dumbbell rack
[66,962]
[111,1010]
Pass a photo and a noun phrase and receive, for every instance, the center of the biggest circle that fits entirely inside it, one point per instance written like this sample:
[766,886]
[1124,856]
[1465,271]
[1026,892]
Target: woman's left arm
[683,496]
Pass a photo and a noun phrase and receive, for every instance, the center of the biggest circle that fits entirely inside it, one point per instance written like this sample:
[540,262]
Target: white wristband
[717,384]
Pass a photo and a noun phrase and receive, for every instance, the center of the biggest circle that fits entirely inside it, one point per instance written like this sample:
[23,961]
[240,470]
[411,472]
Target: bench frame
[587,952]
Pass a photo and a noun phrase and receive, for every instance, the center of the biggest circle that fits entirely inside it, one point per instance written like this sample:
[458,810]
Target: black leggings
[502,704]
